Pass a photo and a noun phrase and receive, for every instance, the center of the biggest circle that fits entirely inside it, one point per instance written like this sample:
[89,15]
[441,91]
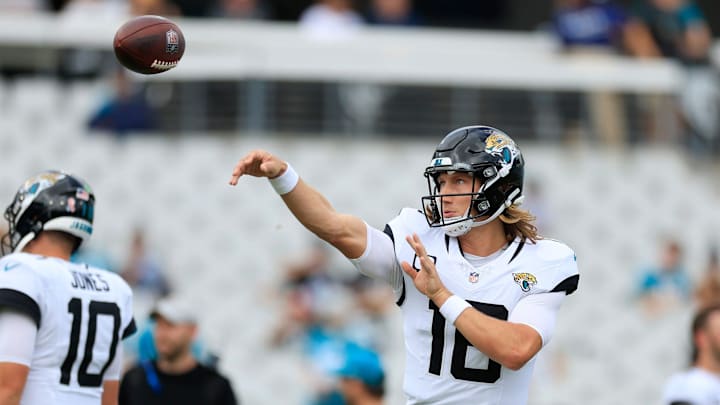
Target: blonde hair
[519,223]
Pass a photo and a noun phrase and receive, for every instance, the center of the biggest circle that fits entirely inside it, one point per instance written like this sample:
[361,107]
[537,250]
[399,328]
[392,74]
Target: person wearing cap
[176,376]
[362,378]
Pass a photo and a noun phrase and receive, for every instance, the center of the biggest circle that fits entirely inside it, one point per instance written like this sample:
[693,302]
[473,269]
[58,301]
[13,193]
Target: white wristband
[286,182]
[453,307]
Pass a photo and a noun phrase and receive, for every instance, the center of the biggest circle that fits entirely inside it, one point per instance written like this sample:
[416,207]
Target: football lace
[163,65]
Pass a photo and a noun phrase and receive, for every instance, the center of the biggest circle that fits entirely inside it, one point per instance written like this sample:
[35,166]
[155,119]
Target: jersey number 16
[457,366]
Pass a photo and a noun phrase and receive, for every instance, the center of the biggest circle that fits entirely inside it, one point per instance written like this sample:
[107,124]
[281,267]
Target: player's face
[173,340]
[455,183]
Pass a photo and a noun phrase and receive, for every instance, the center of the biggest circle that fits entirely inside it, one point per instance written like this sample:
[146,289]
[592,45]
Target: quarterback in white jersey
[479,289]
[61,323]
[700,385]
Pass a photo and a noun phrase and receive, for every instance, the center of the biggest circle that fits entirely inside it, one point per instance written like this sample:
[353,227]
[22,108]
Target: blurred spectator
[21,6]
[241,9]
[677,29]
[175,377]
[367,324]
[126,110]
[467,14]
[330,19]
[594,29]
[362,378]
[700,385]
[306,281]
[195,8]
[143,270]
[669,28]
[145,349]
[392,12]
[707,290]
[591,23]
[155,7]
[94,256]
[666,284]
[56,5]
[77,10]
[82,62]
[325,332]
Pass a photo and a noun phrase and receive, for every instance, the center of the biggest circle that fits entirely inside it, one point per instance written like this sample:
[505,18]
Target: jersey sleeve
[126,305]
[559,270]
[539,311]
[378,261]
[20,288]
[17,338]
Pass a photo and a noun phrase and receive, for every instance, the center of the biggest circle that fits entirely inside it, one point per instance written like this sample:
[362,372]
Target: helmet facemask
[496,166]
[12,237]
[480,209]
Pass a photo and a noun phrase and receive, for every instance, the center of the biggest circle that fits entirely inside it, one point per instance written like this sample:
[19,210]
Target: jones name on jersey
[81,312]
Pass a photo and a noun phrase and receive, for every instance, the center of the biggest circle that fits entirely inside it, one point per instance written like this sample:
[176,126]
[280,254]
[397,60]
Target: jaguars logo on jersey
[525,280]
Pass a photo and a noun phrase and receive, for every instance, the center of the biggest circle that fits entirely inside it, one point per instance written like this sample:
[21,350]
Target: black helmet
[493,158]
[49,201]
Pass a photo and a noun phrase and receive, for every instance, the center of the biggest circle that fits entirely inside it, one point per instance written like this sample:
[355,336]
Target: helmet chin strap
[463,227]
[24,241]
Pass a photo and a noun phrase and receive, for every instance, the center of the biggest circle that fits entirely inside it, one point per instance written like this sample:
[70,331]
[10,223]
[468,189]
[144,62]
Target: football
[149,44]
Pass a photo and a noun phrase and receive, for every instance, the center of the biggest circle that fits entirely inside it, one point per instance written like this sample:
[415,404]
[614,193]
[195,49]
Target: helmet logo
[443,161]
[81,194]
[501,145]
[40,182]
[525,280]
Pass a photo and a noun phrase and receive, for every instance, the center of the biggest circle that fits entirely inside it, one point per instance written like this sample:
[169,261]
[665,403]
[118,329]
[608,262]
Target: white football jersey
[693,387]
[82,314]
[441,366]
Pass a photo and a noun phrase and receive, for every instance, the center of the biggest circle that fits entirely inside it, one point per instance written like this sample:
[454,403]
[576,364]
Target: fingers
[236,173]
[408,269]
[415,243]
[426,263]
[250,164]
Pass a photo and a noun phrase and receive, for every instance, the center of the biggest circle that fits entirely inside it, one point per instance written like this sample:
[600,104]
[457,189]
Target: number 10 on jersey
[95,309]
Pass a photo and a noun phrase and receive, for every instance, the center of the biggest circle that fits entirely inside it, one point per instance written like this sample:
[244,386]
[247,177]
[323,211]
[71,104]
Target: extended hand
[258,163]
[427,280]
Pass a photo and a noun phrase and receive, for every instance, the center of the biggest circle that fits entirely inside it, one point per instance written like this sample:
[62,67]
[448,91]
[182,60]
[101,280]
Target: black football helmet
[49,201]
[496,164]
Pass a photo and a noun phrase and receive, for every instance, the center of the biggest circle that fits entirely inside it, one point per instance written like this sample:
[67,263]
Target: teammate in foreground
[60,323]
[479,289]
[699,385]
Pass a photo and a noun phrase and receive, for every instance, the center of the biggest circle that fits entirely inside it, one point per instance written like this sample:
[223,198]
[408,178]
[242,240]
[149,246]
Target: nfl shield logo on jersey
[474,277]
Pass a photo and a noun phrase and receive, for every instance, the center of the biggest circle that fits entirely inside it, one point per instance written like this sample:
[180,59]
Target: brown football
[149,44]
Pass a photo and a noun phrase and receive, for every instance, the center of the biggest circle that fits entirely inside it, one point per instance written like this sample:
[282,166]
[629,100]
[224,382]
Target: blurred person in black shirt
[176,377]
